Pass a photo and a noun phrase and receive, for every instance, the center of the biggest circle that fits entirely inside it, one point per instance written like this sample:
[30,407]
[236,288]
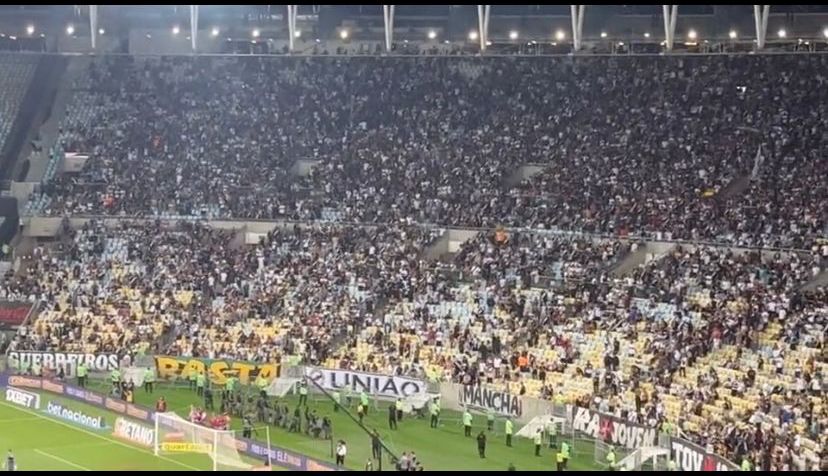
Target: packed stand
[197,291]
[647,146]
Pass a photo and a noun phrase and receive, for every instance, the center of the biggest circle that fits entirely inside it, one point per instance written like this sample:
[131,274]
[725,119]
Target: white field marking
[101,437]
[64,461]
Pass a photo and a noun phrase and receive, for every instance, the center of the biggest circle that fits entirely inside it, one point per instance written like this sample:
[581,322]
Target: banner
[23,398]
[486,399]
[74,416]
[692,457]
[374,384]
[133,432]
[13,314]
[611,429]
[218,370]
[66,360]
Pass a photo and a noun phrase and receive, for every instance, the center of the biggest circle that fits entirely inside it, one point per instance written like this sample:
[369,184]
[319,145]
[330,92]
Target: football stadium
[414,237]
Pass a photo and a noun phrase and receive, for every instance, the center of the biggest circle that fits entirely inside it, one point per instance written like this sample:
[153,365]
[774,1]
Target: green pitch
[40,442]
[444,448]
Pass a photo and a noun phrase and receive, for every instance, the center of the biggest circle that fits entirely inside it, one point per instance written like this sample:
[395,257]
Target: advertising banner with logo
[486,399]
[66,360]
[75,416]
[134,432]
[170,368]
[23,398]
[129,431]
[692,457]
[375,384]
[13,314]
[611,429]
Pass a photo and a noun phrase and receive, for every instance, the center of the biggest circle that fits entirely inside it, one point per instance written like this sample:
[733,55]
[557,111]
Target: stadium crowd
[651,146]
[723,344]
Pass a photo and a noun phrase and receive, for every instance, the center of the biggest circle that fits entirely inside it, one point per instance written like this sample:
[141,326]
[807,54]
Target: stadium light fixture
[70,30]
[647,35]
[473,35]
[297,34]
[620,43]
[101,31]
[488,43]
[692,35]
[733,35]
[214,32]
[432,34]
[825,32]
[781,33]
[176,30]
[560,35]
[30,30]
[256,33]
[513,35]
[343,34]
[603,34]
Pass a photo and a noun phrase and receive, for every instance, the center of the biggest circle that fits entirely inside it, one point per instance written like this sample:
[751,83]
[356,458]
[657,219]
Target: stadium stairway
[49,129]
[524,172]
[820,280]
[35,110]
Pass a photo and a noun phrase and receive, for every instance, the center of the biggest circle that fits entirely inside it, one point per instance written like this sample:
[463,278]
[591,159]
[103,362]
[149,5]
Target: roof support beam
[388,18]
[670,16]
[577,25]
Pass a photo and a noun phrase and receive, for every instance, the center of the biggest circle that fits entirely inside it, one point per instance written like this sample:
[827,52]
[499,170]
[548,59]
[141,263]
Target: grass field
[41,442]
[444,448]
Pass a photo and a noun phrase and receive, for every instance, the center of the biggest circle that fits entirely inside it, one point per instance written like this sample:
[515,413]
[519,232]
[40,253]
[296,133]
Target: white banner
[612,430]
[691,457]
[486,399]
[67,361]
[133,432]
[373,384]
[23,398]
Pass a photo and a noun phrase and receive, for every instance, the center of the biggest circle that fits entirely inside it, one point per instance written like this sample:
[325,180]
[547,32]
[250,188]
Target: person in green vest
[435,413]
[746,466]
[363,399]
[201,382]
[667,427]
[559,458]
[672,465]
[82,372]
[192,378]
[360,412]
[399,406]
[552,431]
[261,384]
[611,459]
[467,422]
[115,376]
[303,392]
[490,419]
[565,451]
[538,441]
[510,428]
[149,380]
[337,398]
[229,385]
